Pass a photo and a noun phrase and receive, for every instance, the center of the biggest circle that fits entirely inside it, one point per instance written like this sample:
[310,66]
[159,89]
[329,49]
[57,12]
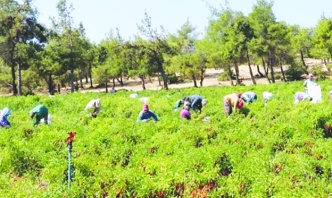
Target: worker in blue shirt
[146,115]
[249,97]
[3,117]
[196,102]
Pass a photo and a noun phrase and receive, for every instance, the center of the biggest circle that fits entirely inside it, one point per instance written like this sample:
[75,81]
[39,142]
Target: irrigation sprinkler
[70,140]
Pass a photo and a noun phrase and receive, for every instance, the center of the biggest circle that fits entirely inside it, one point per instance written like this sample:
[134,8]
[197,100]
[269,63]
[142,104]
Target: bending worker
[232,102]
[301,96]
[196,102]
[40,112]
[249,97]
[185,113]
[93,108]
[3,117]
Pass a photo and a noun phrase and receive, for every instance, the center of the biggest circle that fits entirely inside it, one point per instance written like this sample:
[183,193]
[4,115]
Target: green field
[281,151]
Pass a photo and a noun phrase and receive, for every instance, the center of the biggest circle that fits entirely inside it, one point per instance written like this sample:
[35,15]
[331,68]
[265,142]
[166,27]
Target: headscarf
[5,112]
[145,107]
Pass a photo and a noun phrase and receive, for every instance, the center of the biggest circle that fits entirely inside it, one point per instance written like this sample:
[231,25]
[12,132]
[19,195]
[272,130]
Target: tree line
[33,56]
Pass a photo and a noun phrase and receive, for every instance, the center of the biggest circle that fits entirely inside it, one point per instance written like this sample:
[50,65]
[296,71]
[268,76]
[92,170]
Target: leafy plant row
[281,151]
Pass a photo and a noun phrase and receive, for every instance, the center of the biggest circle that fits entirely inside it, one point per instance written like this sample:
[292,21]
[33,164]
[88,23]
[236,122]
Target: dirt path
[211,79]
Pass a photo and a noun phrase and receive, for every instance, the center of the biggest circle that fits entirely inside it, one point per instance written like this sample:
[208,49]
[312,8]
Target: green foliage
[224,76]
[279,152]
[318,72]
[278,76]
[294,72]
[322,39]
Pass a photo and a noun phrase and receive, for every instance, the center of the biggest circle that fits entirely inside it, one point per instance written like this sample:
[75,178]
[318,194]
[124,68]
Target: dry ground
[211,79]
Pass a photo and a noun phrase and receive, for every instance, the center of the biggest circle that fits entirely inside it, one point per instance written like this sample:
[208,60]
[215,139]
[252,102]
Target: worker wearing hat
[146,115]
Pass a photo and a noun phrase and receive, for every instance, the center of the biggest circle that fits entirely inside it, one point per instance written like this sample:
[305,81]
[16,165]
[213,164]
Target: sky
[99,17]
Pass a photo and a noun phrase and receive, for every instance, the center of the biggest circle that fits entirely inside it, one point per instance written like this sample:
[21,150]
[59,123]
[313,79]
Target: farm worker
[197,102]
[232,102]
[40,112]
[267,95]
[309,82]
[93,107]
[301,96]
[146,114]
[249,97]
[185,113]
[3,117]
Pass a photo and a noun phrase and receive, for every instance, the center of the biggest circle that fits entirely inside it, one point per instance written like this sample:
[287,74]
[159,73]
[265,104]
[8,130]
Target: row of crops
[283,150]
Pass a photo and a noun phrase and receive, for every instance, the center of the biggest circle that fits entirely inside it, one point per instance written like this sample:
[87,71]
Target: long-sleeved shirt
[40,112]
[309,82]
[232,100]
[249,97]
[95,105]
[195,102]
[3,117]
[145,116]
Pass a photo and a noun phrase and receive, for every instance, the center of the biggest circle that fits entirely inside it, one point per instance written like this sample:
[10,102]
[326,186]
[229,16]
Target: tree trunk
[106,85]
[59,88]
[194,79]
[282,71]
[76,84]
[71,75]
[19,79]
[271,66]
[120,81]
[50,84]
[259,72]
[143,82]
[13,79]
[159,81]
[250,70]
[81,82]
[230,74]
[266,70]
[113,83]
[86,78]
[202,73]
[237,73]
[303,62]
[90,75]
[202,78]
[162,73]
